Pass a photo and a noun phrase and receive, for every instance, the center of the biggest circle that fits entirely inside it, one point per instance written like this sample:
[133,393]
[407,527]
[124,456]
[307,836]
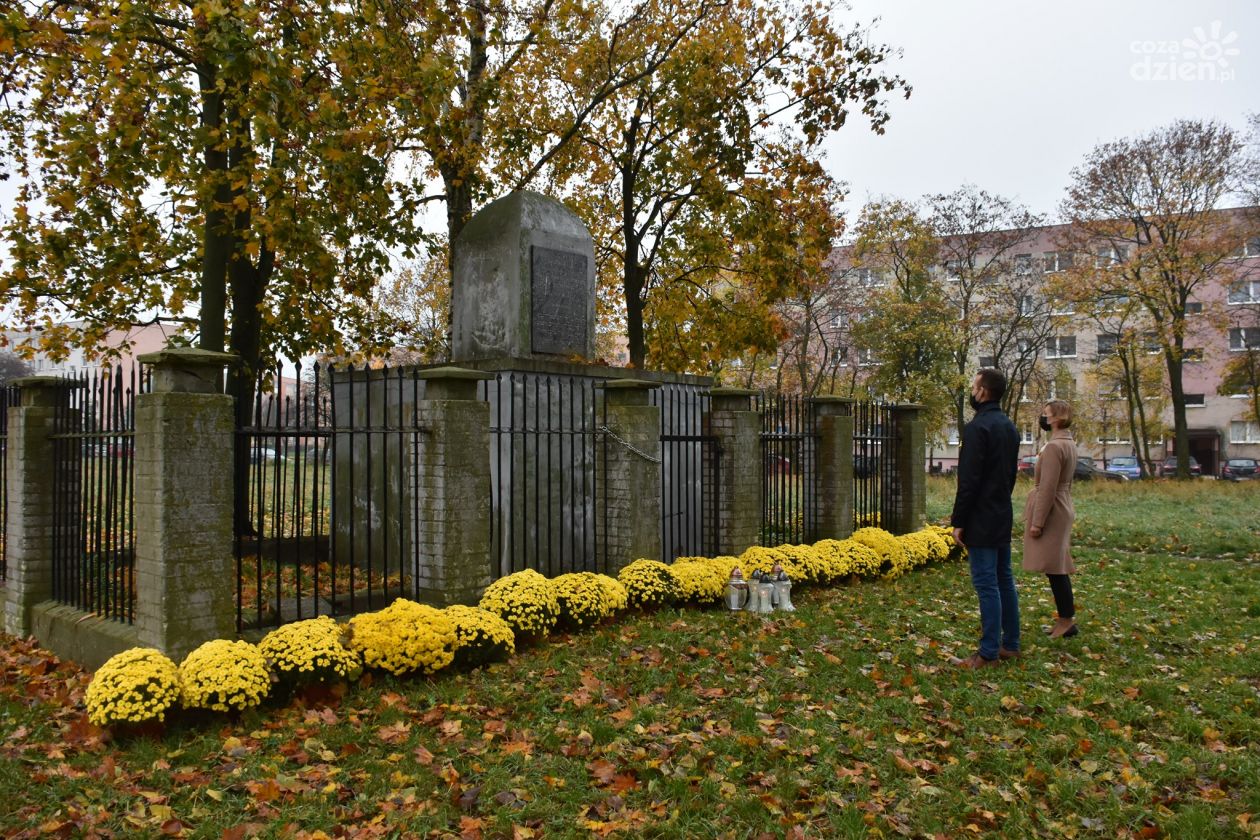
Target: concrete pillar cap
[451,372]
[187,370]
[44,382]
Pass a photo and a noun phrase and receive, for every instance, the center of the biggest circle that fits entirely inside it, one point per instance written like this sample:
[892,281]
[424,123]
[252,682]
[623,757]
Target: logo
[1202,58]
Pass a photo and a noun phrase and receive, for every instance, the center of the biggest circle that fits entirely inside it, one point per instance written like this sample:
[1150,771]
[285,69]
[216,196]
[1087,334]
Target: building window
[869,278]
[1066,392]
[1110,255]
[1063,307]
[1024,346]
[953,436]
[1107,344]
[1052,261]
[1241,431]
[952,269]
[1023,263]
[1244,338]
[1027,305]
[1061,347]
[1249,248]
[1194,307]
[1192,354]
[1027,434]
[1244,291]
[866,357]
[1112,302]
[1195,401]
[988,361]
[1151,343]
[1113,434]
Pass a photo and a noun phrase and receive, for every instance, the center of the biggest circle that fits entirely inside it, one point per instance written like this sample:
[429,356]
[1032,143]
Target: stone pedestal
[909,502]
[453,503]
[833,514]
[737,427]
[523,283]
[629,468]
[185,570]
[28,530]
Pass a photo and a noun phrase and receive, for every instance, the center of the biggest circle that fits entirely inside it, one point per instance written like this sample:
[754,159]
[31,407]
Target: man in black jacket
[982,517]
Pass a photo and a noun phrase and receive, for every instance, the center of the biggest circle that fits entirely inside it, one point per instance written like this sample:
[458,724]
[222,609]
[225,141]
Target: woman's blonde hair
[1060,410]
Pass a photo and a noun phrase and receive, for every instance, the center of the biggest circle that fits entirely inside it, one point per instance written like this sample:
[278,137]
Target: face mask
[975,404]
[1044,423]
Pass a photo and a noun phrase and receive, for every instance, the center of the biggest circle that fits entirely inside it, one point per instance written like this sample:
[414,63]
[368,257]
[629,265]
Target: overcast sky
[1011,95]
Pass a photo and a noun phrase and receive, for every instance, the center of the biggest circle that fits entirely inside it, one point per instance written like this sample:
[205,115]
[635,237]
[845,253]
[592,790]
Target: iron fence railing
[548,505]
[874,464]
[93,537]
[789,444]
[690,472]
[327,493]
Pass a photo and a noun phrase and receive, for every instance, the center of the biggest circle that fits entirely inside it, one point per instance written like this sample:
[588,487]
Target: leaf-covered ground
[842,720]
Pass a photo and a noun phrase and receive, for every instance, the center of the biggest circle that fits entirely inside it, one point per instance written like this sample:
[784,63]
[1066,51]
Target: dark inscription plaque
[560,306]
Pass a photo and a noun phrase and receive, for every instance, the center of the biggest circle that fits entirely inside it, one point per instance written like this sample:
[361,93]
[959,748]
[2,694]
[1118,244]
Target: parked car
[1168,467]
[1086,470]
[1027,464]
[1239,469]
[1127,466]
[262,455]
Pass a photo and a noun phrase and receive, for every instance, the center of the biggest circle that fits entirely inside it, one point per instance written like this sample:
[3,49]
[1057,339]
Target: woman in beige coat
[1048,515]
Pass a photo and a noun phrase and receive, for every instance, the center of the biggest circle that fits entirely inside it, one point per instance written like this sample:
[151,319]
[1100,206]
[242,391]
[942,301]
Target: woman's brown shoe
[1063,628]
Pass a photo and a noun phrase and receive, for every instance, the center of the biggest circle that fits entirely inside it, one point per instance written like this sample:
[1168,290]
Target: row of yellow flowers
[142,685]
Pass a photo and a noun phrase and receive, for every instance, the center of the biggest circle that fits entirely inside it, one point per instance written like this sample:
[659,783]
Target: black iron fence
[789,445]
[548,508]
[690,472]
[327,494]
[874,463]
[93,545]
[8,396]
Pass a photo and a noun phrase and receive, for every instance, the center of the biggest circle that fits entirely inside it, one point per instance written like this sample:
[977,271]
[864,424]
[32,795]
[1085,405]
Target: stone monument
[524,283]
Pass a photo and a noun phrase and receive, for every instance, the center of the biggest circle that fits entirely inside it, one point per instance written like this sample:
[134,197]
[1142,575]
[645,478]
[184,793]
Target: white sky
[1011,95]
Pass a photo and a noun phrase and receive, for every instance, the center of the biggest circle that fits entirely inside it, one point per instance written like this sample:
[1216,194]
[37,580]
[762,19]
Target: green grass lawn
[841,720]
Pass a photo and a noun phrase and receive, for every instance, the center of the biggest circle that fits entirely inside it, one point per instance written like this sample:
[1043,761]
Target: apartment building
[1067,346]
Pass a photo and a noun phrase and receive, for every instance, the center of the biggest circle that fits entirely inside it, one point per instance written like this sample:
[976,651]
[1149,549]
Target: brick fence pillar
[833,514]
[909,502]
[453,511]
[28,530]
[737,427]
[629,469]
[185,568]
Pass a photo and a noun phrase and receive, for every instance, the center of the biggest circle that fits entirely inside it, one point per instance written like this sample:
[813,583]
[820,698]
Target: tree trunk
[216,239]
[632,288]
[1181,431]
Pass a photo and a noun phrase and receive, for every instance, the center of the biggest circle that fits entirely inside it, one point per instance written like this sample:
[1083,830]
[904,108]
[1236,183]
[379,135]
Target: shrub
[890,552]
[583,598]
[480,636]
[615,593]
[760,559]
[525,600]
[135,686]
[649,583]
[224,676]
[700,581]
[309,651]
[404,637]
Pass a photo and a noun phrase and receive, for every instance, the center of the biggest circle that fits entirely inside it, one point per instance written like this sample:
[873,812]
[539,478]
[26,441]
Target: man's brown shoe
[1004,654]
[977,661]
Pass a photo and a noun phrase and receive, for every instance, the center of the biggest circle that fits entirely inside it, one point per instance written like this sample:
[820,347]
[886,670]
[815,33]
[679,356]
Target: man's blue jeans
[999,603]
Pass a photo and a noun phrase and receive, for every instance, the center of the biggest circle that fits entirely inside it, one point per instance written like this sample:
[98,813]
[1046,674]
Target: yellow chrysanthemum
[403,638]
[135,686]
[480,636]
[649,583]
[309,651]
[224,676]
[525,600]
